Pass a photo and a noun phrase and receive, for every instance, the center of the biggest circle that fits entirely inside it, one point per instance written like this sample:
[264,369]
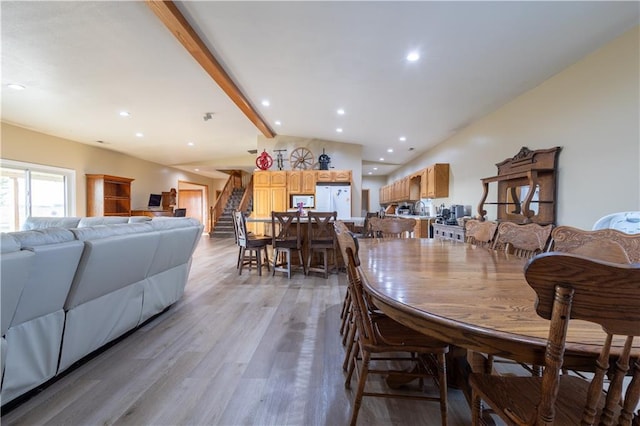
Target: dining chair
[573,287]
[255,245]
[380,343]
[321,239]
[287,238]
[522,240]
[480,233]
[604,244]
[393,227]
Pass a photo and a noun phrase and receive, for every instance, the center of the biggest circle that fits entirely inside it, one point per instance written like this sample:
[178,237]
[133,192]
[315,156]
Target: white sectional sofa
[86,285]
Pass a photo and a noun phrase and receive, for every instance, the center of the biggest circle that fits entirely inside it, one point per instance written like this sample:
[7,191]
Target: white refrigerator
[336,198]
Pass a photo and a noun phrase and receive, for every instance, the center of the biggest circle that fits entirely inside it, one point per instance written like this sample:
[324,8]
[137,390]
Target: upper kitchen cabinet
[302,181]
[436,184]
[269,178]
[342,176]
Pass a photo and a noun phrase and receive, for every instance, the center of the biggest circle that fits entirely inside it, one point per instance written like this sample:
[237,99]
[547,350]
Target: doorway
[193,197]
[365,202]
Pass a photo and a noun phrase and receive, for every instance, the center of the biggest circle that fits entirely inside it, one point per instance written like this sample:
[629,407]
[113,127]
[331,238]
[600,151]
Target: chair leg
[259,260]
[349,356]
[239,257]
[266,258]
[442,379]
[476,408]
[304,268]
[241,260]
[325,255]
[361,384]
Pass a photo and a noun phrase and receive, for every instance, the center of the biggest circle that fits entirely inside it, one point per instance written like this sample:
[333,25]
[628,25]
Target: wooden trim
[175,22]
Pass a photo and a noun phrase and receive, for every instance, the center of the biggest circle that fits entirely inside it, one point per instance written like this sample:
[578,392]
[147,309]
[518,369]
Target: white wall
[20,144]
[591,110]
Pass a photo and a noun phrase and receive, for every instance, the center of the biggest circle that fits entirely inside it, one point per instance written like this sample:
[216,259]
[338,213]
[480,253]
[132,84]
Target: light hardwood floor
[235,350]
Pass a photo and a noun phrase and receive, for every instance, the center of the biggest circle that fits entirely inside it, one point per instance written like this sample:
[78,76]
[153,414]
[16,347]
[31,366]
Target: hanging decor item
[264,161]
[279,158]
[301,159]
[324,161]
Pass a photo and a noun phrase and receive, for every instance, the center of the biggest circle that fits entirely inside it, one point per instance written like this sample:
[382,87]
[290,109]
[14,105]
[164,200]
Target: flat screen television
[155,200]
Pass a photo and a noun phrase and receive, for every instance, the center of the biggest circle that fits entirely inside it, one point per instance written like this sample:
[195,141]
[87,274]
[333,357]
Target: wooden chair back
[240,226]
[572,287]
[320,230]
[286,230]
[606,244]
[392,227]
[366,227]
[345,240]
[522,240]
[480,233]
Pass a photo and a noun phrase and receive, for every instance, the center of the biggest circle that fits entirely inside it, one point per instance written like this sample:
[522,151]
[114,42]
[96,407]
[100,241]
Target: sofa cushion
[101,220]
[104,231]
[8,244]
[41,237]
[50,222]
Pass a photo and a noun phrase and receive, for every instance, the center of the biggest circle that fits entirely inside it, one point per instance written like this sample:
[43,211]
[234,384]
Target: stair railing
[247,196]
[234,181]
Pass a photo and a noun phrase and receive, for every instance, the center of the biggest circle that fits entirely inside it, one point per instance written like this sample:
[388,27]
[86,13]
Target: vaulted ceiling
[82,63]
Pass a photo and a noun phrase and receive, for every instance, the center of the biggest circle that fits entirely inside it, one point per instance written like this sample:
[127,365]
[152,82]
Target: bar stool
[321,238]
[256,244]
[287,237]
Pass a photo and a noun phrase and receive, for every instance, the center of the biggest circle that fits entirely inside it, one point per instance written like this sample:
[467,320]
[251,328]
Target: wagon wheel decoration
[301,159]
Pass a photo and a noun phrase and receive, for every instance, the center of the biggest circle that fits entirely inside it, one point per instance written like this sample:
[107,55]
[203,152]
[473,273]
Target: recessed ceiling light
[340,111]
[15,86]
[390,150]
[413,56]
[140,134]
[125,113]
[370,173]
[266,102]
[197,170]
[339,130]
[402,138]
[190,143]
[375,168]
[381,159]
[278,123]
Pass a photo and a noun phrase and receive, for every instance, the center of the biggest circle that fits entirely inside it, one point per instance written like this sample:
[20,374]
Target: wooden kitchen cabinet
[265,178]
[108,195]
[437,183]
[343,176]
[302,181]
[266,200]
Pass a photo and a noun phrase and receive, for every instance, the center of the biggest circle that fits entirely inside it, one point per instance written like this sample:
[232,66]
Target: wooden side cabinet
[302,182]
[448,232]
[333,176]
[108,195]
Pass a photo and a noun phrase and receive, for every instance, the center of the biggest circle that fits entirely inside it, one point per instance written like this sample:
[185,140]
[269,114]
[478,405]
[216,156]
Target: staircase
[224,225]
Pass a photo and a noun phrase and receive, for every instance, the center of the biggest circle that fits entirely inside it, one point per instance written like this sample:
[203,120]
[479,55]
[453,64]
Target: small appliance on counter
[405,210]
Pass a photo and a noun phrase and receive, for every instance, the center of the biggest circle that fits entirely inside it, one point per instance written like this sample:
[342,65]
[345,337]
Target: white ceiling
[84,62]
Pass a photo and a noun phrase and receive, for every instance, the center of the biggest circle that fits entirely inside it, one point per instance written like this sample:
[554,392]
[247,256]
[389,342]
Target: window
[34,190]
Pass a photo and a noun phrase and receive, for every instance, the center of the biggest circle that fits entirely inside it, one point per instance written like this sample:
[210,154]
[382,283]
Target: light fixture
[190,143]
[197,170]
[140,134]
[413,56]
[339,130]
[390,150]
[265,102]
[381,159]
[340,111]
[15,86]
[125,114]
[278,123]
[402,138]
[375,168]
[370,173]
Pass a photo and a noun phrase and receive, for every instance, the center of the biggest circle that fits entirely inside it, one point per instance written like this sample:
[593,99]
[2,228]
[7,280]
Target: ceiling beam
[182,30]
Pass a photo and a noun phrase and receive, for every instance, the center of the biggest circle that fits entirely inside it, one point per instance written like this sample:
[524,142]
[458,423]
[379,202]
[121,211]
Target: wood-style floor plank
[235,350]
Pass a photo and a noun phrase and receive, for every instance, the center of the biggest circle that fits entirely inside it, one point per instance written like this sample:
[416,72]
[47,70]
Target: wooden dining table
[471,297]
